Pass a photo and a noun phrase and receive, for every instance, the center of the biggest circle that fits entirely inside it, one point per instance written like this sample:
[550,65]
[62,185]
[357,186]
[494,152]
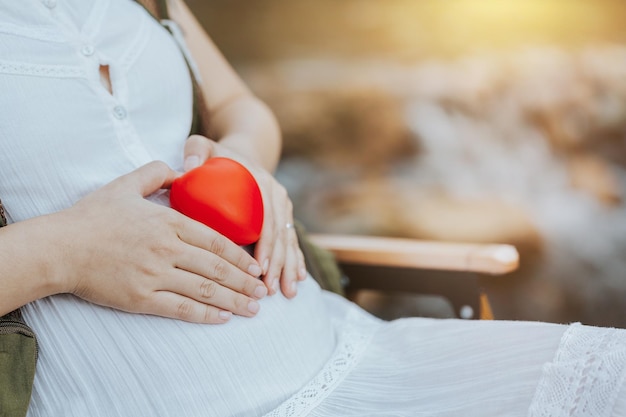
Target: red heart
[223,195]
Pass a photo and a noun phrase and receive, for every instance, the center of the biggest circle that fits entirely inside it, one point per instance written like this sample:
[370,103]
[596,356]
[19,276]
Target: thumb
[147,179]
[197,150]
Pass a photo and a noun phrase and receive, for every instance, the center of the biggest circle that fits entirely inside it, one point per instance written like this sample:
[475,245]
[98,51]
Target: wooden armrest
[492,259]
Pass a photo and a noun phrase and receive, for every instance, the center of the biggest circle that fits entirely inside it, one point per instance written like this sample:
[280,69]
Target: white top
[62,135]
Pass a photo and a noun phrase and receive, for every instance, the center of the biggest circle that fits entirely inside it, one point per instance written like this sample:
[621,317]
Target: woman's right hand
[123,251]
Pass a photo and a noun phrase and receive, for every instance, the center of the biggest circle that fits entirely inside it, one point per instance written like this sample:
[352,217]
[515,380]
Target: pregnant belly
[95,358]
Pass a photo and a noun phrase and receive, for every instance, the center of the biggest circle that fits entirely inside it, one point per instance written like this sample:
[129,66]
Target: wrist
[30,265]
[238,146]
[54,263]
[245,148]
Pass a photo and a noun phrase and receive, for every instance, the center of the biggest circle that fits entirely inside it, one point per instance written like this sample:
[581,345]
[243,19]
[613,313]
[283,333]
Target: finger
[196,234]
[277,261]
[176,306]
[209,292]
[197,150]
[301,265]
[272,243]
[279,251]
[288,241]
[270,251]
[262,253]
[263,248]
[265,244]
[208,265]
[146,179]
[289,274]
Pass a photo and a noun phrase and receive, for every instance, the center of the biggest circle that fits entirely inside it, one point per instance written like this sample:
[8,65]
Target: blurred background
[456,120]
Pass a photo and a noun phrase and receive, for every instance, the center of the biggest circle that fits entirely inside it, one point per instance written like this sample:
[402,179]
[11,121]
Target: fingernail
[294,287]
[275,286]
[253,307]
[191,162]
[224,315]
[260,291]
[302,273]
[266,264]
[255,270]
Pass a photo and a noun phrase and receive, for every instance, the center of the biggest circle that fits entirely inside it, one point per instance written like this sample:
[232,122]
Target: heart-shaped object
[223,195]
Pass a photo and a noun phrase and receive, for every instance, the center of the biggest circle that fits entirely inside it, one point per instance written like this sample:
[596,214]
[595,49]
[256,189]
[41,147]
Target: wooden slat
[484,258]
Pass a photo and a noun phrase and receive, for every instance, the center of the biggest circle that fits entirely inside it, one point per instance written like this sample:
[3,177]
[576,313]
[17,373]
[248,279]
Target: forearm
[249,128]
[28,262]
[238,119]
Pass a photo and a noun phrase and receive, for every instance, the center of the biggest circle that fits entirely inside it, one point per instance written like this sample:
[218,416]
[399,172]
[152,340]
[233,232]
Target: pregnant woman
[140,311]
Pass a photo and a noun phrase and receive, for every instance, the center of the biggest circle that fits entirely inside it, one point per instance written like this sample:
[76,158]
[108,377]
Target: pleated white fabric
[97,361]
[63,135]
[430,367]
[319,355]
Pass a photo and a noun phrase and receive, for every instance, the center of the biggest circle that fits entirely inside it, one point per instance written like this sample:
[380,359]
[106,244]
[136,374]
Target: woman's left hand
[277,250]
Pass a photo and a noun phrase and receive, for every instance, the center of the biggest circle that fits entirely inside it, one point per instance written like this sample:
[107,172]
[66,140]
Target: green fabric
[18,354]
[3,219]
[18,358]
[320,263]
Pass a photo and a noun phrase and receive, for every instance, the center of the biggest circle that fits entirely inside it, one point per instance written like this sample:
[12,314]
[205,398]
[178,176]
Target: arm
[239,120]
[243,128]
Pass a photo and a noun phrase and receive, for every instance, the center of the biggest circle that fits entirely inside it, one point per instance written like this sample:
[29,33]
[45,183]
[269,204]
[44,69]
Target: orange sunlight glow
[454,26]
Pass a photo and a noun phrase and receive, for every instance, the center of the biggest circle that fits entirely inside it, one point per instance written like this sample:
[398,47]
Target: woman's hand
[248,132]
[277,249]
[123,251]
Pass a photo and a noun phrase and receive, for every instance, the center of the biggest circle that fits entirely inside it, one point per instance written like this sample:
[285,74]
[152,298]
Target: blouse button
[87,50]
[119,112]
[50,4]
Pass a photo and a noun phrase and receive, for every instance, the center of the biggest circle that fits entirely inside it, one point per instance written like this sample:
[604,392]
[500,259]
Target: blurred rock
[440,120]
[341,128]
[593,175]
[527,148]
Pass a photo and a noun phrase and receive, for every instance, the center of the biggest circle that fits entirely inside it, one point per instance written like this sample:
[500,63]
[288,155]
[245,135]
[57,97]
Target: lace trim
[352,344]
[57,71]
[41,34]
[586,375]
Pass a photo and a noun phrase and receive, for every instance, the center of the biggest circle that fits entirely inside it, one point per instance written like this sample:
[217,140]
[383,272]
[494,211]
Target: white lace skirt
[319,355]
[433,367]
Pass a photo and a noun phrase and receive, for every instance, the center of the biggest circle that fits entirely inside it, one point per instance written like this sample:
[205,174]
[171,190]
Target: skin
[117,249]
